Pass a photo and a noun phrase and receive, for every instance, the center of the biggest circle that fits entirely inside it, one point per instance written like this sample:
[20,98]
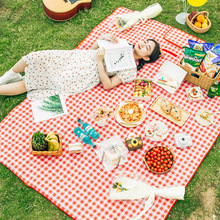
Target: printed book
[117,56]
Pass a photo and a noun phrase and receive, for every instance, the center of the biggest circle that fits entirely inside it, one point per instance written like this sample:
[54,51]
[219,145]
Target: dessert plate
[156,130]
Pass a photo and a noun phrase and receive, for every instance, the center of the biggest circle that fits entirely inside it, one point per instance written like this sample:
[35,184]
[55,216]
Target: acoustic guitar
[62,10]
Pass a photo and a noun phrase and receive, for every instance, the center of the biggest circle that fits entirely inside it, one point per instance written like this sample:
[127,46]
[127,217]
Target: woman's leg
[13,88]
[13,74]
[19,66]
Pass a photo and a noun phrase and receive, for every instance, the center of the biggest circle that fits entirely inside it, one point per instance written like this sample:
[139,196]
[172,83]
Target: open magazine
[117,56]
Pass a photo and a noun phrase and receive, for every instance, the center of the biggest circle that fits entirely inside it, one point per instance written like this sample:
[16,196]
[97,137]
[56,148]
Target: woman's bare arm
[108,83]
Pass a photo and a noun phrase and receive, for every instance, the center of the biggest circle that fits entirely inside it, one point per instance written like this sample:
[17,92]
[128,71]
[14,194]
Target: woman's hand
[100,55]
[109,37]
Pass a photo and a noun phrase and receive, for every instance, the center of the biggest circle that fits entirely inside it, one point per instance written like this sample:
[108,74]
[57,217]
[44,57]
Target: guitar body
[62,10]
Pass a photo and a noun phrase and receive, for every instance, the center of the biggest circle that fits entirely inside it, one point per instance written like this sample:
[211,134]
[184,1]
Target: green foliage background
[25,28]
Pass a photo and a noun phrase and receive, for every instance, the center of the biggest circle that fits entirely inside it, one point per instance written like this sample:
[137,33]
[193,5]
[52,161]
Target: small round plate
[204,117]
[159,159]
[126,124]
[156,130]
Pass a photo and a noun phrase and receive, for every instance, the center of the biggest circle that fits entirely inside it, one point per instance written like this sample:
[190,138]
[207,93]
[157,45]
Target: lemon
[204,25]
[205,21]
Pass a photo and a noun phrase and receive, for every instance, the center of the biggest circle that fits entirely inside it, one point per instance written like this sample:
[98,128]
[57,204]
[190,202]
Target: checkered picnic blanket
[79,184]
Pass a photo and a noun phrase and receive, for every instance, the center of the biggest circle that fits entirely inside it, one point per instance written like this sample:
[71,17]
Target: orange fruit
[204,25]
[198,24]
[200,18]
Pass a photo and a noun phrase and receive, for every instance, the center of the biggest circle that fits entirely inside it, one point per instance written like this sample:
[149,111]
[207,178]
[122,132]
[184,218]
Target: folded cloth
[125,188]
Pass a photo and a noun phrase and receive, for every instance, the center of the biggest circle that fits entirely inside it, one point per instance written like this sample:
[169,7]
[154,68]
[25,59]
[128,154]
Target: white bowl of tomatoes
[159,159]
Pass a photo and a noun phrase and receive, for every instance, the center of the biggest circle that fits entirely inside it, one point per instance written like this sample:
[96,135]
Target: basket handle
[206,12]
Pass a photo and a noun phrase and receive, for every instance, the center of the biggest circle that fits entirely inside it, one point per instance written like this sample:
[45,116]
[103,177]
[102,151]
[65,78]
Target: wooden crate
[47,153]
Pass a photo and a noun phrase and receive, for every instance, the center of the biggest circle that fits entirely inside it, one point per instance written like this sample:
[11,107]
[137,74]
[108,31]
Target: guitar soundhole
[71,1]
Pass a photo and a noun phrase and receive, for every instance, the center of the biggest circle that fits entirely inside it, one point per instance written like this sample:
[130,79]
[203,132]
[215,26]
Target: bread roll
[165,106]
[176,113]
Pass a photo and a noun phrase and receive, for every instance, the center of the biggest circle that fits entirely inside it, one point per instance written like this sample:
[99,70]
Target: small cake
[75,148]
[194,94]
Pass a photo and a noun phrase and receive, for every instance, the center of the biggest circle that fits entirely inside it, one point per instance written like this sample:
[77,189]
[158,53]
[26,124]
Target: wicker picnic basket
[196,29]
[48,153]
[199,79]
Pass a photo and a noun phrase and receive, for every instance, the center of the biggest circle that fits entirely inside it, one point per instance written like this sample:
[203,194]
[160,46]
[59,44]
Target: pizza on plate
[130,112]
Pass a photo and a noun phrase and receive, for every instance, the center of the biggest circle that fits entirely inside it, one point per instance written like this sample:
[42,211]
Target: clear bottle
[89,129]
[218,90]
[83,136]
[213,90]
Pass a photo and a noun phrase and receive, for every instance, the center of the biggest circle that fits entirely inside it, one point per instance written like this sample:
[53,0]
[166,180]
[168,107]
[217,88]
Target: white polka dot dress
[66,72]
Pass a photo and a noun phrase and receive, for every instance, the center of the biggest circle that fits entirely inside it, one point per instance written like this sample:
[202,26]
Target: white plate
[202,121]
[156,130]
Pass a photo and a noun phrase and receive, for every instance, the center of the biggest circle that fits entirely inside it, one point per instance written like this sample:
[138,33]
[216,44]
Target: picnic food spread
[158,159]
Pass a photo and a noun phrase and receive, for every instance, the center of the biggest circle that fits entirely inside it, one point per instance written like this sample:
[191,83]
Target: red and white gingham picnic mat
[79,184]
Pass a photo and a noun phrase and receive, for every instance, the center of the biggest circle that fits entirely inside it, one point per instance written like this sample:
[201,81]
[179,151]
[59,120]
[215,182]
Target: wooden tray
[128,125]
[156,107]
[48,153]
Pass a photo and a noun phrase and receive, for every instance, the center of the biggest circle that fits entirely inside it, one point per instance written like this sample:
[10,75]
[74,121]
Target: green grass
[24,28]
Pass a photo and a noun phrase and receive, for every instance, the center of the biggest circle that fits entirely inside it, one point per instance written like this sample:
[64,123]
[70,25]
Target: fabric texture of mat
[79,184]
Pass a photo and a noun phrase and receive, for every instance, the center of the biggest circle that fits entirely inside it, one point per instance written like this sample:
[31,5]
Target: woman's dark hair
[153,57]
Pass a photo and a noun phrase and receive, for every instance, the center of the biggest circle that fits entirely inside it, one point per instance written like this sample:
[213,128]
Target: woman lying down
[67,72]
